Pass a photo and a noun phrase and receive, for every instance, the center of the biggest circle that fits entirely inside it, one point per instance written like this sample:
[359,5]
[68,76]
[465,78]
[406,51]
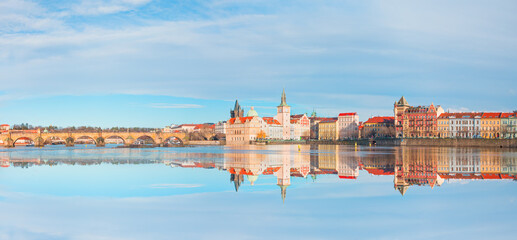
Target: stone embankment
[424,142]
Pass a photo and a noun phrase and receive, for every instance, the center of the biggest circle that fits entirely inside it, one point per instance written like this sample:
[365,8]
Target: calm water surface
[258,192]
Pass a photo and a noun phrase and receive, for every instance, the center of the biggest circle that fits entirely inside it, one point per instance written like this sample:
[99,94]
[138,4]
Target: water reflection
[409,167]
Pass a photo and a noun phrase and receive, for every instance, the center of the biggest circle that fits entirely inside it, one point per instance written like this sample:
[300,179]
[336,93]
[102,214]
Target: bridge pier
[39,142]
[69,142]
[9,143]
[99,142]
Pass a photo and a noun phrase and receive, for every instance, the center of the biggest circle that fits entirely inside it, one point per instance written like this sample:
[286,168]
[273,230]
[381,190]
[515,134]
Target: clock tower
[283,115]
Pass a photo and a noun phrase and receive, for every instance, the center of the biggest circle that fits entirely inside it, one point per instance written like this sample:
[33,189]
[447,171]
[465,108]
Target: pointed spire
[283,189]
[403,102]
[284,101]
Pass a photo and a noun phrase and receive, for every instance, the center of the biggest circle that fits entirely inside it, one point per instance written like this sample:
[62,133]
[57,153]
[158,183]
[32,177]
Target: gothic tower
[237,110]
[283,115]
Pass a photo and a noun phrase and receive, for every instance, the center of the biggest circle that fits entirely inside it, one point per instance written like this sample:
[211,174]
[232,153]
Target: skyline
[152,63]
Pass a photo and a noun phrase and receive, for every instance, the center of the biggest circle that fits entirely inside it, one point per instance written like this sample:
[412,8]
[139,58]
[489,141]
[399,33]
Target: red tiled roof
[381,120]
[242,119]
[329,120]
[508,115]
[347,177]
[297,116]
[461,115]
[270,120]
[379,171]
[347,114]
[491,115]
[4,125]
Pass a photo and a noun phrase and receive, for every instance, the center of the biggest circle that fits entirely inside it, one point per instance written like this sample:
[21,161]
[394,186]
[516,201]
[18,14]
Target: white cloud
[175,185]
[167,105]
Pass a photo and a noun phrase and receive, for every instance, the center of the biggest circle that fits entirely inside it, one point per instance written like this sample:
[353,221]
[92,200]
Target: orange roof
[347,177]
[4,125]
[347,114]
[508,115]
[381,120]
[242,119]
[270,120]
[461,115]
[378,171]
[491,115]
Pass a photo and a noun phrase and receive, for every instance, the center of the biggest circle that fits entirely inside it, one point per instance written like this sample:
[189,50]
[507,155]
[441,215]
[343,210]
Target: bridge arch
[145,139]
[85,138]
[173,140]
[113,137]
[23,138]
[54,139]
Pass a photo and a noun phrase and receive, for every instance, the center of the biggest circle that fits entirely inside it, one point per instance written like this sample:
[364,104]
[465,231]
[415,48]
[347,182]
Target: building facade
[398,109]
[348,124]
[284,117]
[379,127]
[220,127]
[509,125]
[421,121]
[328,129]
[491,125]
[300,127]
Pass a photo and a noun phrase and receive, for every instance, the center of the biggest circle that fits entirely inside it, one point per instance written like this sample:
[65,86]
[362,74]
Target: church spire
[284,101]
[283,190]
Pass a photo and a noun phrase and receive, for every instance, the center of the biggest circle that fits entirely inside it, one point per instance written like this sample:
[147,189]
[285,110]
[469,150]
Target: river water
[258,192]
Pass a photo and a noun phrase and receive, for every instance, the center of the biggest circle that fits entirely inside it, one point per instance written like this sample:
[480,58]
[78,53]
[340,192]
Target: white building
[348,125]
[220,127]
[300,127]
[463,125]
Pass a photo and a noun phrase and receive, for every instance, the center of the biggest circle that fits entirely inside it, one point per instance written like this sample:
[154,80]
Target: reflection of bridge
[41,138]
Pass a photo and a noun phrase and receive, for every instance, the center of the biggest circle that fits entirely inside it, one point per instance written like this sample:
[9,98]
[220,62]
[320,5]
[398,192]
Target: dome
[252,178]
[252,113]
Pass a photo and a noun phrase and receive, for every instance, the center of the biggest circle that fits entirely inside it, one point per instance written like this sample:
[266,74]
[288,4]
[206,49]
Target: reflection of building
[417,166]
[284,165]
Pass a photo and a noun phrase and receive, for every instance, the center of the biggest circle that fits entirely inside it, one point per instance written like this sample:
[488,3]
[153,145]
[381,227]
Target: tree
[261,135]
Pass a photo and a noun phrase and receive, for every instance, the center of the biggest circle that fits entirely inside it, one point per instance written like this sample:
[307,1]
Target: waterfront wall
[431,142]
[204,143]
[453,142]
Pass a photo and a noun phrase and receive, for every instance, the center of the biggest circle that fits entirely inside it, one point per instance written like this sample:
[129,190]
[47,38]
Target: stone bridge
[42,138]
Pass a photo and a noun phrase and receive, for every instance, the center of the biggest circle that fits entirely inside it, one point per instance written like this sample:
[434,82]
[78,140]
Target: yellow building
[379,127]
[491,125]
[443,125]
[328,129]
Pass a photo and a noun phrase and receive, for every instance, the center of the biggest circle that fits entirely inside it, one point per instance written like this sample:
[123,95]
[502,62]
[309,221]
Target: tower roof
[402,102]
[283,103]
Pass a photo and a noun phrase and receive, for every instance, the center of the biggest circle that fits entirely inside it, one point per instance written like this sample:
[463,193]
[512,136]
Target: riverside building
[244,130]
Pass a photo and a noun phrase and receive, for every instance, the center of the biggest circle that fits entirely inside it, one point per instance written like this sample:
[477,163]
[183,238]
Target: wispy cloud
[175,185]
[167,105]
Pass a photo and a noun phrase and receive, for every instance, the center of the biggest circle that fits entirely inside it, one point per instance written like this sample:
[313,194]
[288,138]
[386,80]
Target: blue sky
[152,63]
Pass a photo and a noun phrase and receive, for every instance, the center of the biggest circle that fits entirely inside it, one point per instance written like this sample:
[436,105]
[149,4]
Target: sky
[151,63]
